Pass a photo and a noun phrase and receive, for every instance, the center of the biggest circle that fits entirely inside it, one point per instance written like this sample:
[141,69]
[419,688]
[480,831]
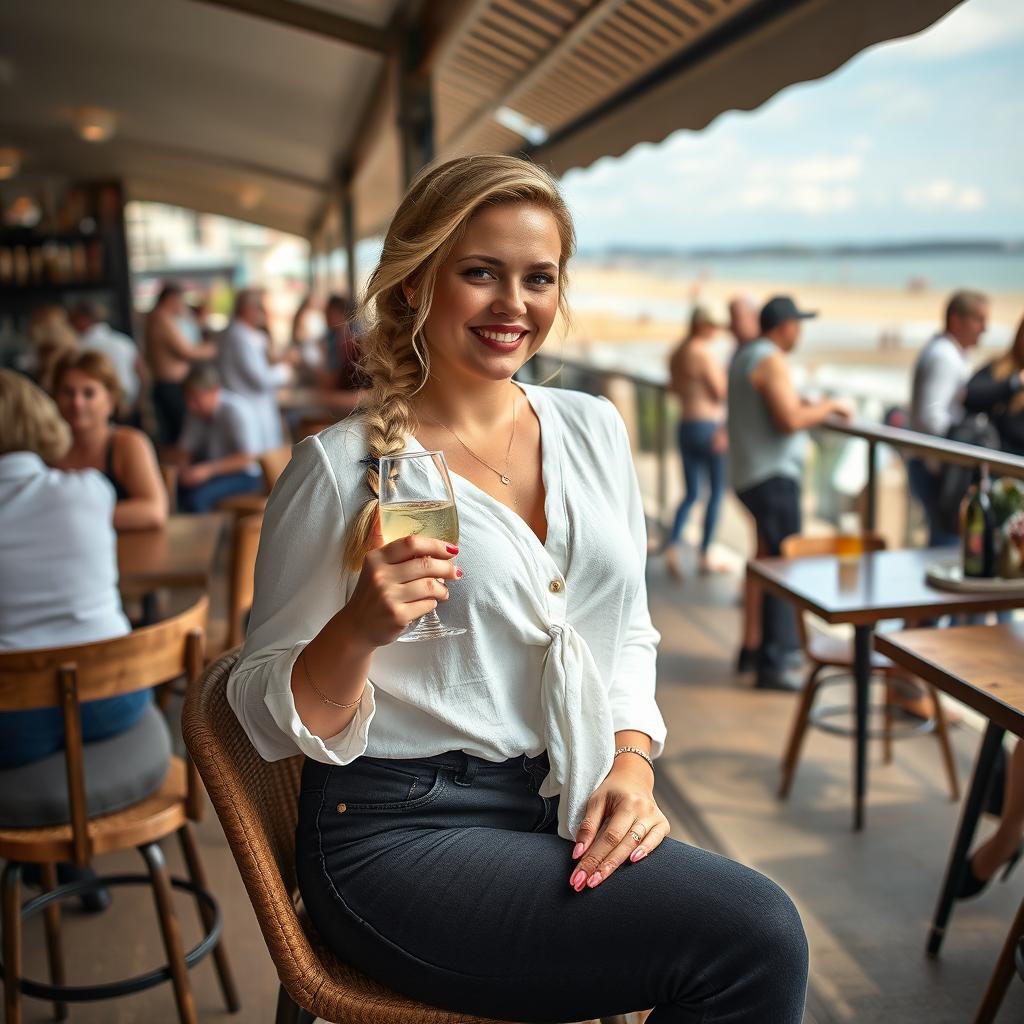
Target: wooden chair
[169,475]
[272,464]
[828,652]
[1010,956]
[243,573]
[257,803]
[62,677]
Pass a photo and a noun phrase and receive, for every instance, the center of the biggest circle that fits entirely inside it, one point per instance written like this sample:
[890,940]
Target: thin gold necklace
[503,477]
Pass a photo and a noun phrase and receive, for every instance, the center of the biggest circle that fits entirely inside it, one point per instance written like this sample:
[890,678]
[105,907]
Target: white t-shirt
[58,556]
[941,374]
[246,370]
[559,649]
[121,351]
[233,430]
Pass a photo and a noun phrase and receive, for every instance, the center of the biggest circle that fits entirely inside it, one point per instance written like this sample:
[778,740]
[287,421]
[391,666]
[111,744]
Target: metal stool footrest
[820,715]
[129,986]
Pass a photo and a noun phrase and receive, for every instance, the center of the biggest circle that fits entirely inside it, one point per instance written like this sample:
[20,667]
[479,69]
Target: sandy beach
[623,306]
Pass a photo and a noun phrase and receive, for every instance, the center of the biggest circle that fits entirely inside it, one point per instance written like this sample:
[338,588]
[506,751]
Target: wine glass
[416,497]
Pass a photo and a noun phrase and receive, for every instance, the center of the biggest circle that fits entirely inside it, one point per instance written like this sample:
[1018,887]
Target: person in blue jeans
[219,443]
[698,380]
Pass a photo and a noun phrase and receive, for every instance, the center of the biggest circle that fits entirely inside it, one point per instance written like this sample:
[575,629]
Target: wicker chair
[257,803]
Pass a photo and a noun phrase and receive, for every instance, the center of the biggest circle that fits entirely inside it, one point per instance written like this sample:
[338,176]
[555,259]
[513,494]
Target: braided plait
[427,225]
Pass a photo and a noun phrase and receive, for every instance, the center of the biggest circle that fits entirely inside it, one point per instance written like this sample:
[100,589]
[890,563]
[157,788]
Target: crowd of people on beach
[747,423]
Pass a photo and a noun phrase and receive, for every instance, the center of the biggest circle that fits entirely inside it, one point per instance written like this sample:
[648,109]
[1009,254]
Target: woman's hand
[398,583]
[622,804]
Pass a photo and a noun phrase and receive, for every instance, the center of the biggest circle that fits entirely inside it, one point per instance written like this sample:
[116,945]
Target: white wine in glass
[417,499]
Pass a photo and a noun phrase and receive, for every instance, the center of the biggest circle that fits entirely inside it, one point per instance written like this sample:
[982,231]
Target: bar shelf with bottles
[60,248]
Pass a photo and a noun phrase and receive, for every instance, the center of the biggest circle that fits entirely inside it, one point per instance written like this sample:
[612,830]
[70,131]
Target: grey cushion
[119,771]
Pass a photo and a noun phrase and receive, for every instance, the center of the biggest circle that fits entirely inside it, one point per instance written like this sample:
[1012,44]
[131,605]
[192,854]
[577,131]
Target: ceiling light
[94,124]
[250,196]
[10,163]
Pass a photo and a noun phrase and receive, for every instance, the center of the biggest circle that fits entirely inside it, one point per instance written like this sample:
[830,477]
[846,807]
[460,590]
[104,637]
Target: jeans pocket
[375,784]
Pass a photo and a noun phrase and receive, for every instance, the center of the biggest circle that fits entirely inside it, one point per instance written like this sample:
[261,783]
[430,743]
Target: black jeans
[444,879]
[775,505]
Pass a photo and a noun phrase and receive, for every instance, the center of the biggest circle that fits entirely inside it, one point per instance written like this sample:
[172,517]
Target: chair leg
[197,876]
[1001,974]
[797,733]
[11,899]
[54,948]
[942,735]
[287,1012]
[887,733]
[170,930]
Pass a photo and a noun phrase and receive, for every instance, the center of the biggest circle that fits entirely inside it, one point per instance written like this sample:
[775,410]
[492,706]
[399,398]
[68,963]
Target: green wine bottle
[979,530]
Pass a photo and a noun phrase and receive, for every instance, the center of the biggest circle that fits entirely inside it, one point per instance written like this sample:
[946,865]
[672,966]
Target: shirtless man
[699,382]
[170,356]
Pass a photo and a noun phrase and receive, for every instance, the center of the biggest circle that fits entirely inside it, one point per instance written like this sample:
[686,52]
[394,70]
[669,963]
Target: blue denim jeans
[205,497]
[444,878]
[27,736]
[696,446]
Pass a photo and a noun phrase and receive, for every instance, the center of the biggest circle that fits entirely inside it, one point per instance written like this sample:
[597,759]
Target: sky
[919,138]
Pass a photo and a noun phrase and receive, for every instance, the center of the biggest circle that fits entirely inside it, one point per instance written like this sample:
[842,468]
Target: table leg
[957,865]
[862,640]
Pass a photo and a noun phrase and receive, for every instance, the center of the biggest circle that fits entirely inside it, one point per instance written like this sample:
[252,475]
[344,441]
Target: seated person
[87,390]
[218,443]
[57,540]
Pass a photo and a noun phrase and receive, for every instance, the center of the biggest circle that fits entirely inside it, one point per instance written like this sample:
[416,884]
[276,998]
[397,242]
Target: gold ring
[636,838]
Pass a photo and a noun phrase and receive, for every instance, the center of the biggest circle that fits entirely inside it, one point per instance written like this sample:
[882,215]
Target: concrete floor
[866,898]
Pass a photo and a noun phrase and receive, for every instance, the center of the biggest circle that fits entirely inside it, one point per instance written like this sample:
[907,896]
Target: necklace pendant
[505,480]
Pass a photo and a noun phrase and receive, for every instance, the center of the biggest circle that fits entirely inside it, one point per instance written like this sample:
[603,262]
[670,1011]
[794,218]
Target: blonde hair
[426,227]
[30,420]
[93,364]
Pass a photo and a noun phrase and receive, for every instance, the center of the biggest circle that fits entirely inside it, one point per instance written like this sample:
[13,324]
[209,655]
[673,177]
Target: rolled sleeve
[632,690]
[299,587]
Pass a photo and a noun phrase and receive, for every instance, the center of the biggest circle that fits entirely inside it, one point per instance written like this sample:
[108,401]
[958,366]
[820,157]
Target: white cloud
[943,194]
[974,25]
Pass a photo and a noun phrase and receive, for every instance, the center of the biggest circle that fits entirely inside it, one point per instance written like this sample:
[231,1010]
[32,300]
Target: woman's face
[83,401]
[496,296]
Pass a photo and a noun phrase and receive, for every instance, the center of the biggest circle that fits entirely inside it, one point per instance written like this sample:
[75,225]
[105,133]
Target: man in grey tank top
[768,424]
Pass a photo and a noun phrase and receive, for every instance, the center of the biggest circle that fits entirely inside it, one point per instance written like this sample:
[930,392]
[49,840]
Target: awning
[291,114]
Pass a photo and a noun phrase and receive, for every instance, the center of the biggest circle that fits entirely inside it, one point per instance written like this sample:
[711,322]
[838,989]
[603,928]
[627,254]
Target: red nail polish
[458,574]
[577,851]
[451,549]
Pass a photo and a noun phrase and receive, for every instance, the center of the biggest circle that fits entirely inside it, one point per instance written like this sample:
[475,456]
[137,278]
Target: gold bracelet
[320,693]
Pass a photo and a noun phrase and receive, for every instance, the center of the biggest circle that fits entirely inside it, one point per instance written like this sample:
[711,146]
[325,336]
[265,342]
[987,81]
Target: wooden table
[180,555]
[879,585]
[982,667]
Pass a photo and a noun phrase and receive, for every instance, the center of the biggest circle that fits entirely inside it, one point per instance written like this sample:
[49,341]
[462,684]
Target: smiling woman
[521,870]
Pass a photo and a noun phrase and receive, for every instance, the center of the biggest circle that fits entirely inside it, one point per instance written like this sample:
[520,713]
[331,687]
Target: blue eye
[478,273]
[541,279]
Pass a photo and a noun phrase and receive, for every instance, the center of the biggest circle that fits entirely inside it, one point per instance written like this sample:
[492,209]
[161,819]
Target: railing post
[662,423]
[871,505]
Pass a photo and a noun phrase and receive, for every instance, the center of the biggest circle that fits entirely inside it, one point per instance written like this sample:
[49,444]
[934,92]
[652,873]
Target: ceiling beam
[311,19]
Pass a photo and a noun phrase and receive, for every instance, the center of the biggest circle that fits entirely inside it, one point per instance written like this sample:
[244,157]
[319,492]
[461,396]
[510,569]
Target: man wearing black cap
[768,424]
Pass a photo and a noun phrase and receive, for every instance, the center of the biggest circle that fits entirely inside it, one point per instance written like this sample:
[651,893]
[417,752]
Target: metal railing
[652,432]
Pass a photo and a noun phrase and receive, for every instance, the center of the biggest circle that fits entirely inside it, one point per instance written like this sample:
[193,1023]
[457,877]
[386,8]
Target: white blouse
[559,649]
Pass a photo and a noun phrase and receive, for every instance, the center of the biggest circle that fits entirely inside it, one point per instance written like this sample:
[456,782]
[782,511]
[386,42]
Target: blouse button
[555,586]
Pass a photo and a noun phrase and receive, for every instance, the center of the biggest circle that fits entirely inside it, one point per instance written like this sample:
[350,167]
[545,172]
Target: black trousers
[775,505]
[169,403]
[444,879]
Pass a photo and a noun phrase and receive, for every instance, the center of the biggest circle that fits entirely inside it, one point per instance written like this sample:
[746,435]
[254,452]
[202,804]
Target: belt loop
[468,773]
